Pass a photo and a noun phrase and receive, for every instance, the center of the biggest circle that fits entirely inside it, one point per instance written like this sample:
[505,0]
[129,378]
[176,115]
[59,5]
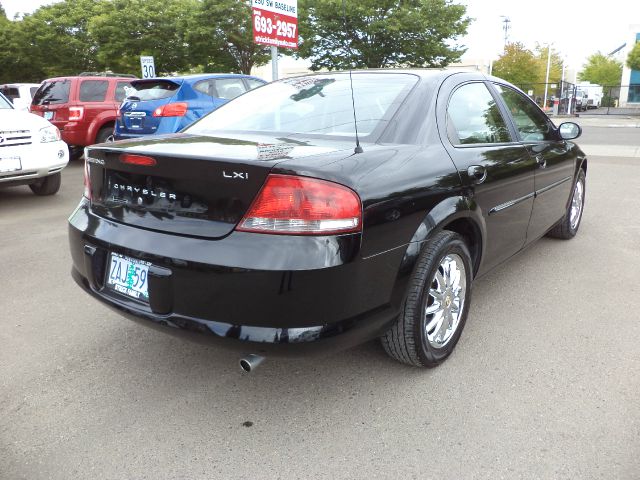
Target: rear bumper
[245,292]
[74,133]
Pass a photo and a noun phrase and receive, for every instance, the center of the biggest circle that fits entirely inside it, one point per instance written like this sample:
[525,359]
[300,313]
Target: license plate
[48,115]
[10,164]
[128,276]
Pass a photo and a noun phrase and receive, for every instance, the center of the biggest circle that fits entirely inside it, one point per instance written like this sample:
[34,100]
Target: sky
[576,28]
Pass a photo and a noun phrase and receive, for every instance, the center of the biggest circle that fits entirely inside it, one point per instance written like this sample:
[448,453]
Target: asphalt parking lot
[543,384]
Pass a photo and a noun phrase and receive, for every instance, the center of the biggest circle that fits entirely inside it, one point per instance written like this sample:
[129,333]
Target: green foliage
[633,59]
[380,33]
[221,37]
[126,29]
[555,67]
[517,65]
[601,70]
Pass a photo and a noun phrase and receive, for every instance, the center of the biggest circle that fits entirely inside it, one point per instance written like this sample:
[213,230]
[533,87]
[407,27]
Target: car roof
[89,77]
[200,76]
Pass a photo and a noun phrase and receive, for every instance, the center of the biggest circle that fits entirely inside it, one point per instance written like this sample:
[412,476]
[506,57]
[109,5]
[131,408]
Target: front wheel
[436,305]
[48,185]
[570,223]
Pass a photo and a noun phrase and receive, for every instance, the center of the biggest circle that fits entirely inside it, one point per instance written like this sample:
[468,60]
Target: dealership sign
[275,23]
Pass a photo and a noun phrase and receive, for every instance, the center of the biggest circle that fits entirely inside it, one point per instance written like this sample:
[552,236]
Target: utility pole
[274,63]
[506,27]
[546,81]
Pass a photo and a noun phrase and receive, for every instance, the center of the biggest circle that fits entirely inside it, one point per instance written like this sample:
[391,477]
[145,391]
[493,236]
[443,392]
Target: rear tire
[105,135]
[436,306]
[570,223]
[48,185]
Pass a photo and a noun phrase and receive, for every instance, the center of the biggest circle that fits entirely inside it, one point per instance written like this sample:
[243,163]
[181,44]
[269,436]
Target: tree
[126,29]
[517,65]
[633,60]
[555,67]
[381,33]
[221,37]
[601,70]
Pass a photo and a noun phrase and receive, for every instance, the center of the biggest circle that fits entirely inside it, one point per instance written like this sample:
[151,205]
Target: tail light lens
[141,160]
[87,178]
[178,109]
[303,206]
[76,114]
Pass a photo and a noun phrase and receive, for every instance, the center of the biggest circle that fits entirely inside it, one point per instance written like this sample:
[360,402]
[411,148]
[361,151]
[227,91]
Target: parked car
[31,151]
[20,94]
[83,107]
[581,101]
[270,227]
[167,105]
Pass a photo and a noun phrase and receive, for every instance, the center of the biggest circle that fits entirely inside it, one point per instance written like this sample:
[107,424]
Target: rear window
[53,92]
[154,90]
[313,105]
[33,91]
[121,90]
[10,93]
[254,83]
[93,90]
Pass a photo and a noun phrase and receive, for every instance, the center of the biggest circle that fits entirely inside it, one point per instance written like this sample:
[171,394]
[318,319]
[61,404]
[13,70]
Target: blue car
[167,105]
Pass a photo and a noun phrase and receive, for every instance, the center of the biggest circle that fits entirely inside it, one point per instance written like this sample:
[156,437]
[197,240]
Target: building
[630,90]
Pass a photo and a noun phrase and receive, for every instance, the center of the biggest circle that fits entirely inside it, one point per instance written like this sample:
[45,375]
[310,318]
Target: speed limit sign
[148,67]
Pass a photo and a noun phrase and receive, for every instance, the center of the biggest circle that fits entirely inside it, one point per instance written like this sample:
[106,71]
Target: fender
[100,121]
[443,214]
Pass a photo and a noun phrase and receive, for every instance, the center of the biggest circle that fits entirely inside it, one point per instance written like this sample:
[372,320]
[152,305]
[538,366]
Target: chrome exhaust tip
[250,362]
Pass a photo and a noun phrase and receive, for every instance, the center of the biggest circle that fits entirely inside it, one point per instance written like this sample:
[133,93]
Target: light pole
[546,81]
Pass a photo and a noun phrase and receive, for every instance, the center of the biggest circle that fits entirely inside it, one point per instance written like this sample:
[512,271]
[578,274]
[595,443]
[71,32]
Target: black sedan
[271,226]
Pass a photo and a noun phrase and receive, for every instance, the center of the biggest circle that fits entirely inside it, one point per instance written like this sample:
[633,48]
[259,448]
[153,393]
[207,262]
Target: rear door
[92,96]
[494,167]
[136,113]
[553,160]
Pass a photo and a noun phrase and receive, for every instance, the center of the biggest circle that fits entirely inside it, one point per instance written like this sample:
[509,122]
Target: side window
[10,93]
[121,91]
[474,117]
[93,90]
[531,123]
[206,87]
[229,88]
[253,83]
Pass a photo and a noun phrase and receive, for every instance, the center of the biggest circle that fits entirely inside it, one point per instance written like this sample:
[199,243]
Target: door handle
[477,173]
[541,160]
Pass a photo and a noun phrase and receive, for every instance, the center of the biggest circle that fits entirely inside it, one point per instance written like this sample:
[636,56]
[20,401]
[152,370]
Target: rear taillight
[178,109]
[303,206]
[87,179]
[142,160]
[76,114]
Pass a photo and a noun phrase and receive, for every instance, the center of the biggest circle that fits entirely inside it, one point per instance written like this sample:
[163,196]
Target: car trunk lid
[198,185]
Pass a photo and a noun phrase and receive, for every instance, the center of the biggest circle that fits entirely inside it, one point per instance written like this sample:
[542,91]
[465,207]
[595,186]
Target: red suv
[83,107]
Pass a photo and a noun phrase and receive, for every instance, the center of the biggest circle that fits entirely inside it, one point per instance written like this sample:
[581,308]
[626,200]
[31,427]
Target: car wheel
[48,185]
[436,306]
[568,226]
[105,135]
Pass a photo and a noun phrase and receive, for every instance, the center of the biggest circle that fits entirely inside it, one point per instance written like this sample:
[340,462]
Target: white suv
[31,152]
[20,94]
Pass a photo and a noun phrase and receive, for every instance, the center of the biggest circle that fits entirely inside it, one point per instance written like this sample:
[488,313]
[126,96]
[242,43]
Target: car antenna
[358,148]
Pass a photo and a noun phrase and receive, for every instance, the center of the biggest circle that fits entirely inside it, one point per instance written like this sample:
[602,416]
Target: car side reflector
[142,160]
[293,205]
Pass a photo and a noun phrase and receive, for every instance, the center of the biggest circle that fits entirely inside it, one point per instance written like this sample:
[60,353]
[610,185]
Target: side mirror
[569,130]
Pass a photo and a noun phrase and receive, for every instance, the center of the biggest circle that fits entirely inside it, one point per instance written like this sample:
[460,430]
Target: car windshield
[152,90]
[313,105]
[4,103]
